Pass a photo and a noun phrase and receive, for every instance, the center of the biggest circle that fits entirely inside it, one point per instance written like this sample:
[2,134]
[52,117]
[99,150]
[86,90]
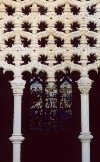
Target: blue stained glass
[49,115]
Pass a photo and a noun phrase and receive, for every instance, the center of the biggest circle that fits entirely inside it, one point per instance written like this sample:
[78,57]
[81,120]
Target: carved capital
[84,85]
[17,86]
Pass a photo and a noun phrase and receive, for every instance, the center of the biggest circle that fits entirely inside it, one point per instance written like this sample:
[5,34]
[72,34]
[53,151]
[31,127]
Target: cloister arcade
[50,66]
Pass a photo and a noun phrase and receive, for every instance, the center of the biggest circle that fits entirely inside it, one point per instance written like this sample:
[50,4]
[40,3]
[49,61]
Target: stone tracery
[65,28]
[50,35]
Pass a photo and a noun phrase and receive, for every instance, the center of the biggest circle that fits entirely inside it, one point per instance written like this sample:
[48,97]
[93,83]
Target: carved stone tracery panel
[49,35]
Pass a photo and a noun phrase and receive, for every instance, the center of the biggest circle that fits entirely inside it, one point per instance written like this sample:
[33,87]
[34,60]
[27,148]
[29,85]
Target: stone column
[84,84]
[17,138]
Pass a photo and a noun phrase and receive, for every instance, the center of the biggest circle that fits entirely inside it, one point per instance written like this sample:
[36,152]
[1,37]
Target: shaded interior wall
[95,117]
[25,122]
[76,110]
[6,119]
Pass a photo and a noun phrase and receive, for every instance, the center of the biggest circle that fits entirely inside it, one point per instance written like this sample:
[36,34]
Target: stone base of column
[85,139]
[16,140]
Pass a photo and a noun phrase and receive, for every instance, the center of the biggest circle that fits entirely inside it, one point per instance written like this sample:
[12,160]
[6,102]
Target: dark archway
[95,115]
[26,118]
[56,146]
[76,111]
[6,116]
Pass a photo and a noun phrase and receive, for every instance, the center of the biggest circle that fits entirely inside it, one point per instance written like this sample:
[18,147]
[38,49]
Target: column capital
[17,86]
[84,84]
[84,137]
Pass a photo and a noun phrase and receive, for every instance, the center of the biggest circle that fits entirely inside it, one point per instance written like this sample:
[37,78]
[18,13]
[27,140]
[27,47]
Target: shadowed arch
[57,143]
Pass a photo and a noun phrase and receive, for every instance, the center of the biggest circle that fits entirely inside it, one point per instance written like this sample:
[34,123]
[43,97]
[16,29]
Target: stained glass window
[50,106]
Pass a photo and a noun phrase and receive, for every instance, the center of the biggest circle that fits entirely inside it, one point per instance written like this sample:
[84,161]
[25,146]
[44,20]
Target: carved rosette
[84,85]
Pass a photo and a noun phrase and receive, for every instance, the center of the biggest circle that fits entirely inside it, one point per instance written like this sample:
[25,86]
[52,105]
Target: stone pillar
[17,138]
[84,84]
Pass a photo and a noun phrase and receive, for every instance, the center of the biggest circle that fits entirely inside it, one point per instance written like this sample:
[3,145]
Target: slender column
[17,138]
[84,85]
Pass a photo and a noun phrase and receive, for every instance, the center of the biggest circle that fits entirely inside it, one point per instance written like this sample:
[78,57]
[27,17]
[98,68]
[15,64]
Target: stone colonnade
[84,84]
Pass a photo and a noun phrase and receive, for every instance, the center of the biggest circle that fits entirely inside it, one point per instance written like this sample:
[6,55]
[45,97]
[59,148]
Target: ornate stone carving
[17,86]
[69,27]
[84,85]
[66,32]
